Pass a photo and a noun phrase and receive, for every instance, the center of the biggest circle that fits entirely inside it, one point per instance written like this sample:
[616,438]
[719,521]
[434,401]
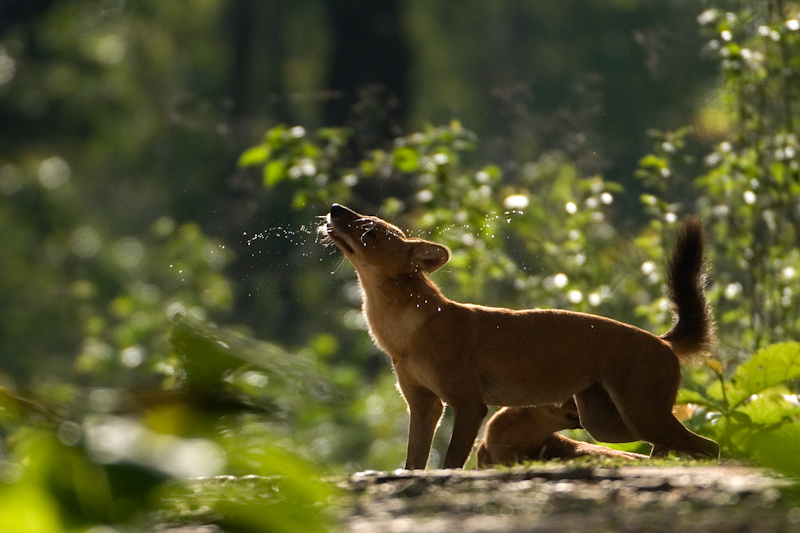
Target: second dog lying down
[517,434]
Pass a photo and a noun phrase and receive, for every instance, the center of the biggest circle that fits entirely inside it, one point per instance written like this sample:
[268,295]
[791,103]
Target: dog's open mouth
[332,237]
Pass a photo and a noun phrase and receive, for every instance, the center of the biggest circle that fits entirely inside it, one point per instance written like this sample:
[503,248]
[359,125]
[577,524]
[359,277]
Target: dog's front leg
[466,424]
[425,410]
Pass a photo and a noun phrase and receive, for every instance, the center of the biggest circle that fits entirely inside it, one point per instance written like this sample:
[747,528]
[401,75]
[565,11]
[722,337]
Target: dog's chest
[393,329]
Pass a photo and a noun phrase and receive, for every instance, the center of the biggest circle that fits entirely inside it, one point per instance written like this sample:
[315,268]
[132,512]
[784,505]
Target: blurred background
[117,114]
[163,165]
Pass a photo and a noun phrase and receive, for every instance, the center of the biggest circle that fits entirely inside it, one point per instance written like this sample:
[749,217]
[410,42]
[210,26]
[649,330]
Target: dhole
[516,434]
[624,380]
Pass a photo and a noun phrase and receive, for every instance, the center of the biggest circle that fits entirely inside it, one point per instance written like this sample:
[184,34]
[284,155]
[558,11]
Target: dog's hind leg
[644,399]
[600,417]
[665,431]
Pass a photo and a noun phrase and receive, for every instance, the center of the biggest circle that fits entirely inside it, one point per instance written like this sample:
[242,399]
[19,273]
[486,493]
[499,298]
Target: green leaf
[493,172]
[300,200]
[734,50]
[286,495]
[28,507]
[274,137]
[774,365]
[771,408]
[254,156]
[274,172]
[696,397]
[654,161]
[310,150]
[780,449]
[368,168]
[406,159]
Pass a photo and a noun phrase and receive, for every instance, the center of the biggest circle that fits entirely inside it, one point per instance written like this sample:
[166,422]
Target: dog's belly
[517,394]
[544,357]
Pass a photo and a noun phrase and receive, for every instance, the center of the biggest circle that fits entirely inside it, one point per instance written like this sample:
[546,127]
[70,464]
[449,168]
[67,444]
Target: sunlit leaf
[780,449]
[687,396]
[274,172]
[715,365]
[775,365]
[770,408]
[28,508]
[406,159]
[254,156]
[310,150]
[283,494]
[653,161]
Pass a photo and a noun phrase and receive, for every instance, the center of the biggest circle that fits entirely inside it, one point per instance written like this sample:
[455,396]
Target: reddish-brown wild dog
[624,380]
[516,434]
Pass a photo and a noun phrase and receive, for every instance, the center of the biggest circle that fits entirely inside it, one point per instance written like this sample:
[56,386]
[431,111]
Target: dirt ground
[569,498]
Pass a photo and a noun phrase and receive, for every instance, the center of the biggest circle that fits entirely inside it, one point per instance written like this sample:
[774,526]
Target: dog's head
[374,245]
[558,417]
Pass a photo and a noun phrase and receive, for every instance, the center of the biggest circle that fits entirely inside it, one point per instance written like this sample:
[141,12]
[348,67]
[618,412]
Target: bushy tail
[692,336]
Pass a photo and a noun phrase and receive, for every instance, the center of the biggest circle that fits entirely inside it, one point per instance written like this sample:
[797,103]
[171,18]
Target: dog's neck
[395,307]
[400,293]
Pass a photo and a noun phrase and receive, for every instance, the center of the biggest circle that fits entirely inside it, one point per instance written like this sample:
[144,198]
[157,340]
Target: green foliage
[102,145]
[178,270]
[541,236]
[288,155]
[281,494]
[746,193]
[50,485]
[754,413]
[526,238]
[77,457]
[749,182]
[53,486]
[117,236]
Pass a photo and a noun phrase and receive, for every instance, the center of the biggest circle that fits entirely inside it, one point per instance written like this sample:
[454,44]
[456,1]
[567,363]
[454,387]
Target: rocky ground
[567,498]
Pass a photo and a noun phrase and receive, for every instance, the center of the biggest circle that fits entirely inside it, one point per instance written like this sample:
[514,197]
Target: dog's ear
[429,257]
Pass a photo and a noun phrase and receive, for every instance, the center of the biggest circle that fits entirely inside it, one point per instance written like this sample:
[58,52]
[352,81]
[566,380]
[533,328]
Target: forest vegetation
[168,311]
